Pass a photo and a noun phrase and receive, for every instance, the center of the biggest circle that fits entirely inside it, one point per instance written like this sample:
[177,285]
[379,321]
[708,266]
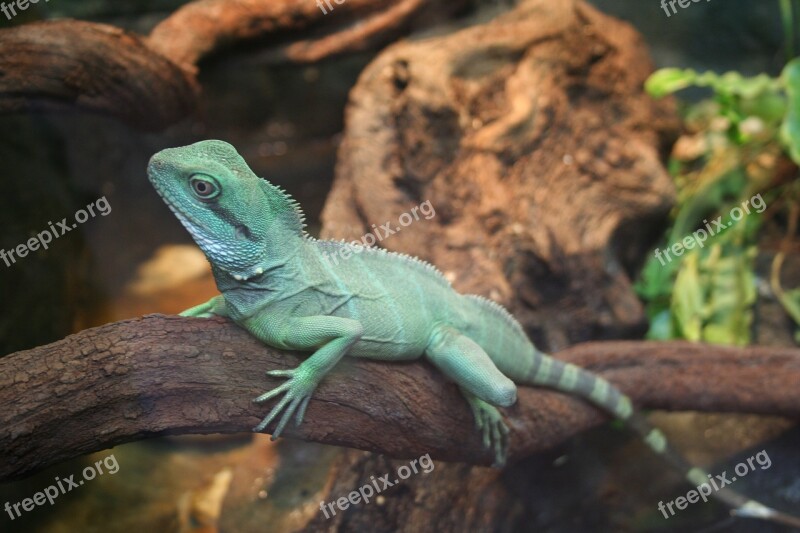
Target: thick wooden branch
[82,66]
[151,82]
[204,26]
[161,375]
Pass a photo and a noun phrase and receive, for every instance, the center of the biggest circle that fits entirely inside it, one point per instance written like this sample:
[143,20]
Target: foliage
[737,143]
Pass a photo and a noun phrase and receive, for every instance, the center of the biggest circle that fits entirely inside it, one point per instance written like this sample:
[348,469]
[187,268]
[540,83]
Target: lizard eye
[204,187]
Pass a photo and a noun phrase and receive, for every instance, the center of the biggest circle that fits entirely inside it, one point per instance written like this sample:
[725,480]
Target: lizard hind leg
[490,423]
[481,382]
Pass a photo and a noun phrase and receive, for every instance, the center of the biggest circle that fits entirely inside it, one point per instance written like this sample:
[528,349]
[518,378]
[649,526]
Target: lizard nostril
[155,165]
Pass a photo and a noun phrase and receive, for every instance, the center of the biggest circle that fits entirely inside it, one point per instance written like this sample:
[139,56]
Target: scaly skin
[279,284]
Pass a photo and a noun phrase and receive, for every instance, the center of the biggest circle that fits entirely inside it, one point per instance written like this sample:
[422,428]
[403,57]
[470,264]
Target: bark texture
[162,375]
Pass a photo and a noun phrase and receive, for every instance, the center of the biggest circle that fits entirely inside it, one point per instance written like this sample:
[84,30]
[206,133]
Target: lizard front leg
[331,336]
[214,307]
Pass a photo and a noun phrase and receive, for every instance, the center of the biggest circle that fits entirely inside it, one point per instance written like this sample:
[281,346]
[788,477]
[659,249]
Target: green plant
[737,145]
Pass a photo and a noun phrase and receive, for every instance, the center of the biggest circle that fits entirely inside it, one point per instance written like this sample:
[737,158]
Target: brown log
[150,82]
[533,140]
[161,375]
[358,36]
[80,66]
[205,26]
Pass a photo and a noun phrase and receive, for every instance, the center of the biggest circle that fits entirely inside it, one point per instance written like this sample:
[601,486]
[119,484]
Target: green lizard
[278,285]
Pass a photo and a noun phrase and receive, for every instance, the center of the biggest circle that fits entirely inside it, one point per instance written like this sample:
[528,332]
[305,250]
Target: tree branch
[204,26]
[161,375]
[72,65]
[151,82]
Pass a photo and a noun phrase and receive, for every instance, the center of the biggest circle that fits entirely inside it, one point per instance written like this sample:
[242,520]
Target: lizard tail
[566,377]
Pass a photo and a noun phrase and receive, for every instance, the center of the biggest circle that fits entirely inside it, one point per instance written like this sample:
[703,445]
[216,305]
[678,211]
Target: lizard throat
[217,252]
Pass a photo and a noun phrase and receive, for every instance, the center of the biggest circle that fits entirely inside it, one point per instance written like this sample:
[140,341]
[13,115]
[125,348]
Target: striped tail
[566,377]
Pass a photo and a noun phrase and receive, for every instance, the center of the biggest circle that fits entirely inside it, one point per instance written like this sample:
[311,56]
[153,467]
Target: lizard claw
[298,391]
[281,373]
[494,431]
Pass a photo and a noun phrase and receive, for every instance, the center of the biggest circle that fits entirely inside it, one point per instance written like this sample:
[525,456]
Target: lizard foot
[298,390]
[490,423]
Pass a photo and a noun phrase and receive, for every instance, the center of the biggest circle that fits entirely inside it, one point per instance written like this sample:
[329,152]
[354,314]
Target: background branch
[160,375]
[150,82]
[72,65]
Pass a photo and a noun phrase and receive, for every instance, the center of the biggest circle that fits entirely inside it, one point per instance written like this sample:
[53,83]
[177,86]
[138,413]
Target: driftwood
[151,82]
[532,138]
[167,375]
[74,65]
[205,26]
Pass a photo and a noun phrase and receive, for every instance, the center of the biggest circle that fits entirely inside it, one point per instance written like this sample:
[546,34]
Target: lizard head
[232,214]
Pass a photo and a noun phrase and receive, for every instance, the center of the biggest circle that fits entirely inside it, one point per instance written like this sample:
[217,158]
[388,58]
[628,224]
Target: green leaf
[769,106]
[688,307]
[734,83]
[731,294]
[791,302]
[790,129]
[669,80]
